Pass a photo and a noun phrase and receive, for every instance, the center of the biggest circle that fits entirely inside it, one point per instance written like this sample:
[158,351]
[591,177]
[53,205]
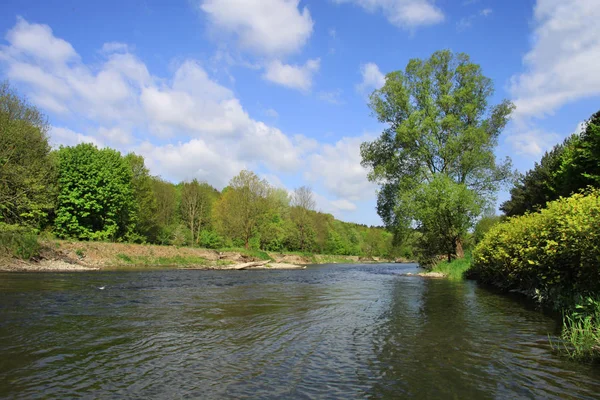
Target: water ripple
[360,331]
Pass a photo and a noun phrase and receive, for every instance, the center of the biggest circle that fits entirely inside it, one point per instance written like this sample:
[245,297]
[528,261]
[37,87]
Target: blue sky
[205,88]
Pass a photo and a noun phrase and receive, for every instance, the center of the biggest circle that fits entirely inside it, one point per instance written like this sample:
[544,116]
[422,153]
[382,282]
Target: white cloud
[532,142]
[337,168]
[372,78]
[215,136]
[67,137]
[408,14]
[269,112]
[39,41]
[292,76]
[265,27]
[332,96]
[344,205]
[186,126]
[116,135]
[115,47]
[561,66]
[466,22]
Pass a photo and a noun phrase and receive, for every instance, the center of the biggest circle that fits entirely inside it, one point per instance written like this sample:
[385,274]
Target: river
[330,331]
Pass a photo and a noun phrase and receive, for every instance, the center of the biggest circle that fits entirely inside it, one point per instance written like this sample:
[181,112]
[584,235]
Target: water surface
[333,331]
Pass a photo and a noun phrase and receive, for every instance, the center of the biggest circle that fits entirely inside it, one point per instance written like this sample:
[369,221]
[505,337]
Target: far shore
[73,256]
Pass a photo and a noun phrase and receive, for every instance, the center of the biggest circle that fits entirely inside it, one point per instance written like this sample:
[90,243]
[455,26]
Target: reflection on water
[325,332]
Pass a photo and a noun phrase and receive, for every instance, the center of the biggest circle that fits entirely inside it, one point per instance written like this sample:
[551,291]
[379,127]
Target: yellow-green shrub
[551,255]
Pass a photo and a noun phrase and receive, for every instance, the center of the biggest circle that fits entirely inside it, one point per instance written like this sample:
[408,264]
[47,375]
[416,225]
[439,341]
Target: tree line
[88,193]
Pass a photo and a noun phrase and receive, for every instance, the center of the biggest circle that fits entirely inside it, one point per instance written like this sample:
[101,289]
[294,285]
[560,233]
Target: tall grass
[581,331]
[456,269]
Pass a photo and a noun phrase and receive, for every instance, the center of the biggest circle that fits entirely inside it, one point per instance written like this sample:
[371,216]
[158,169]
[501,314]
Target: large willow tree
[440,129]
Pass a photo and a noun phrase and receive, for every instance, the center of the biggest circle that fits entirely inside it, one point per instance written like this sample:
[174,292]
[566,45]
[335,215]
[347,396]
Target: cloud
[532,142]
[269,112]
[263,27]
[115,47]
[332,96]
[213,134]
[561,66]
[297,77]
[186,125]
[67,137]
[466,22]
[39,41]
[337,168]
[372,78]
[344,205]
[407,14]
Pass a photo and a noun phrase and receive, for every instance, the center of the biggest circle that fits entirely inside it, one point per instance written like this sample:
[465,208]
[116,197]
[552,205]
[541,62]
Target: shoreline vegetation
[71,256]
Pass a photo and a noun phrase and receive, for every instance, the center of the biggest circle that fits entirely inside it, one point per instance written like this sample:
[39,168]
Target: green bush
[552,255]
[18,241]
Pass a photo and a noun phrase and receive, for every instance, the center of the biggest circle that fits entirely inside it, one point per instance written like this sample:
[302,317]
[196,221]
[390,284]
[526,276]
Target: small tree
[242,206]
[145,203]
[196,206]
[95,198]
[302,204]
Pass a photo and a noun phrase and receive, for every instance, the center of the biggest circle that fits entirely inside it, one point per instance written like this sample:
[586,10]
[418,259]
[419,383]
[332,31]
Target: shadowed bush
[18,241]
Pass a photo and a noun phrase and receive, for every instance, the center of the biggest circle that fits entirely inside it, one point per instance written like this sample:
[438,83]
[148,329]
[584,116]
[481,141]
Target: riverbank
[63,255]
[454,270]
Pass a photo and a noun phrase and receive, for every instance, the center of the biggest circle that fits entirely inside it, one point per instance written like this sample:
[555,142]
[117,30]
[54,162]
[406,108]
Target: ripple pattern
[344,331]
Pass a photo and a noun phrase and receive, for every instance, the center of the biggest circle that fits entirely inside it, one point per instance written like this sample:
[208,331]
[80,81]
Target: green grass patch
[456,269]
[580,336]
[124,258]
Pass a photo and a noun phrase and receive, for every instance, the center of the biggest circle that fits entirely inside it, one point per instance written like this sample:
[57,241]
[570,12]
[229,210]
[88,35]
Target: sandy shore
[43,266]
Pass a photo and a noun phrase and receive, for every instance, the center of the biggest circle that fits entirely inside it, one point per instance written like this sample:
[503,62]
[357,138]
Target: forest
[98,194]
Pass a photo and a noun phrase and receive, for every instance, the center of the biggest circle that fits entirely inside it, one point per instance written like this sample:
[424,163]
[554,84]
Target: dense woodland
[89,193]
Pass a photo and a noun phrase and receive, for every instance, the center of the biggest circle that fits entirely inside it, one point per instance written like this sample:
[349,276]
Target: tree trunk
[460,253]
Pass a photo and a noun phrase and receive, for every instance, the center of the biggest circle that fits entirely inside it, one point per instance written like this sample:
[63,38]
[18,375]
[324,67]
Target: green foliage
[483,226]
[87,193]
[197,201]
[95,200]
[243,207]
[438,123]
[27,172]
[552,255]
[145,207]
[125,258]
[444,211]
[580,165]
[18,241]
[566,169]
[210,239]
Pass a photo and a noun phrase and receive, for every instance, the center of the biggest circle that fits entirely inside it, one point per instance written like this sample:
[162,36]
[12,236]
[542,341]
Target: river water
[331,331]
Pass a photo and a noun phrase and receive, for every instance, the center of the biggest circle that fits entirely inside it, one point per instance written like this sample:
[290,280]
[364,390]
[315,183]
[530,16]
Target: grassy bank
[454,270]
[20,250]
